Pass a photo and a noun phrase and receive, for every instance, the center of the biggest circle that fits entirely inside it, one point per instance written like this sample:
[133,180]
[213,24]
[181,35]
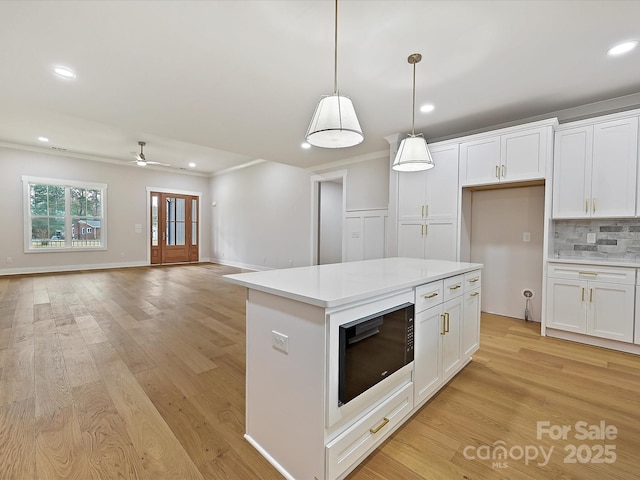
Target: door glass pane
[154,220]
[175,221]
[194,222]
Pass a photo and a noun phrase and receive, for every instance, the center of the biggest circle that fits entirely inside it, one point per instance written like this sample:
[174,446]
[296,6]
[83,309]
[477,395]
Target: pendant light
[413,154]
[334,123]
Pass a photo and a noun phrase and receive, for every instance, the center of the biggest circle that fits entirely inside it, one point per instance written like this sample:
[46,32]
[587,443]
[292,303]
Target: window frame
[27,181]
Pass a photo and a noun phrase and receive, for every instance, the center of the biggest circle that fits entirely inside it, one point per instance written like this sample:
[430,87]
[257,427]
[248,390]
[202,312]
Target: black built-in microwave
[372,348]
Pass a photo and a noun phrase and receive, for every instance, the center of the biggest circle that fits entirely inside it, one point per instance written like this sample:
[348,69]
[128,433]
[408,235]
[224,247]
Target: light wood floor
[139,373]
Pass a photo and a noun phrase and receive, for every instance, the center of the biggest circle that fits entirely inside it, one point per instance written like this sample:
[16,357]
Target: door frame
[148,221]
[315,207]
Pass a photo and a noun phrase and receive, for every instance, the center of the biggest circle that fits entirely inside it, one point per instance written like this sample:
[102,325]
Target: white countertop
[342,283]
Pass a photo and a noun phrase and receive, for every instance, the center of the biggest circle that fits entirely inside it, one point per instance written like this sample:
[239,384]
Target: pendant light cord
[335,53]
[413,117]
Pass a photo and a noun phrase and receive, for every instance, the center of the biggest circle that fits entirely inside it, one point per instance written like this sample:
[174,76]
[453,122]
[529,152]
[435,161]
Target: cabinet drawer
[453,287]
[472,280]
[623,275]
[429,295]
[356,442]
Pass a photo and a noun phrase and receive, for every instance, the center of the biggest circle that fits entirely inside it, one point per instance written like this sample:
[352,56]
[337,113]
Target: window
[54,207]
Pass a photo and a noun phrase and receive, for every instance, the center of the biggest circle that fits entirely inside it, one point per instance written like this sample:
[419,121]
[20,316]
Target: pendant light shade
[413,154]
[334,123]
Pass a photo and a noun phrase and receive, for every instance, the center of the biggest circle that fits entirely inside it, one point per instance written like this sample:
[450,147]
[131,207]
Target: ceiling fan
[142,161]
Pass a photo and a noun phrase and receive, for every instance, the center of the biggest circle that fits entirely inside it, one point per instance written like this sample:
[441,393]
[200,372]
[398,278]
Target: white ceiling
[222,83]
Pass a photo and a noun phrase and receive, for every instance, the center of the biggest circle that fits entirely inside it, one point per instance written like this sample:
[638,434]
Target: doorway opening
[504,229]
[174,233]
[328,206]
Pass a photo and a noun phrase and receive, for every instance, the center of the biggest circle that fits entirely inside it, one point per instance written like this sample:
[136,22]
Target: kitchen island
[293,416]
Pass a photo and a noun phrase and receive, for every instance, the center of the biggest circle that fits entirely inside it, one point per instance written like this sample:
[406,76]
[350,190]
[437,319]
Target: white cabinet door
[411,239]
[566,304]
[610,311]
[615,158]
[412,194]
[427,365]
[470,332]
[441,241]
[480,160]
[451,355]
[432,194]
[432,240]
[573,152]
[442,183]
[595,170]
[523,155]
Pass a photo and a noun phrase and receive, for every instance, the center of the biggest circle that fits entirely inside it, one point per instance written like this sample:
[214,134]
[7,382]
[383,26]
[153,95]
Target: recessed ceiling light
[64,72]
[43,139]
[426,108]
[192,164]
[622,48]
[306,145]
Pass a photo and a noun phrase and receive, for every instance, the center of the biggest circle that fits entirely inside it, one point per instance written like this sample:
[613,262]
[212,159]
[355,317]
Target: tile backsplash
[614,239]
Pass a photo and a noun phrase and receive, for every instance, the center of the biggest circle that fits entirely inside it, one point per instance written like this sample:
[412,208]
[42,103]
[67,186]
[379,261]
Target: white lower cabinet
[427,372]
[596,301]
[356,442]
[470,332]
[450,335]
[432,239]
[447,324]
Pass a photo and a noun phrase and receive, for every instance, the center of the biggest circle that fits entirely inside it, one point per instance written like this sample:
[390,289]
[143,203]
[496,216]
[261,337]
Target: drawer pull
[434,294]
[447,327]
[473,280]
[595,274]
[382,424]
[591,295]
[583,294]
[444,323]
[475,294]
[454,287]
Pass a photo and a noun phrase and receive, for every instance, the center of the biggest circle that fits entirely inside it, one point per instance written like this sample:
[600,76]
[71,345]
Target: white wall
[331,219]
[368,184]
[262,217]
[126,207]
[498,220]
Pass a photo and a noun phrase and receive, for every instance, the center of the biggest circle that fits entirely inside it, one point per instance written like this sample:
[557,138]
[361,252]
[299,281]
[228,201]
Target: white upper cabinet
[428,207]
[481,159]
[572,172]
[514,154]
[431,194]
[595,170]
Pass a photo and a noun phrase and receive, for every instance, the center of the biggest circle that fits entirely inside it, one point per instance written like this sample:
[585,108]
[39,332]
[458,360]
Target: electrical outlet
[591,238]
[9,259]
[280,341]
[526,236]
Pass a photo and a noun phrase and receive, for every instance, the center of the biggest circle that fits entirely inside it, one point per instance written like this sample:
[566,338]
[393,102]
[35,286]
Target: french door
[174,228]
